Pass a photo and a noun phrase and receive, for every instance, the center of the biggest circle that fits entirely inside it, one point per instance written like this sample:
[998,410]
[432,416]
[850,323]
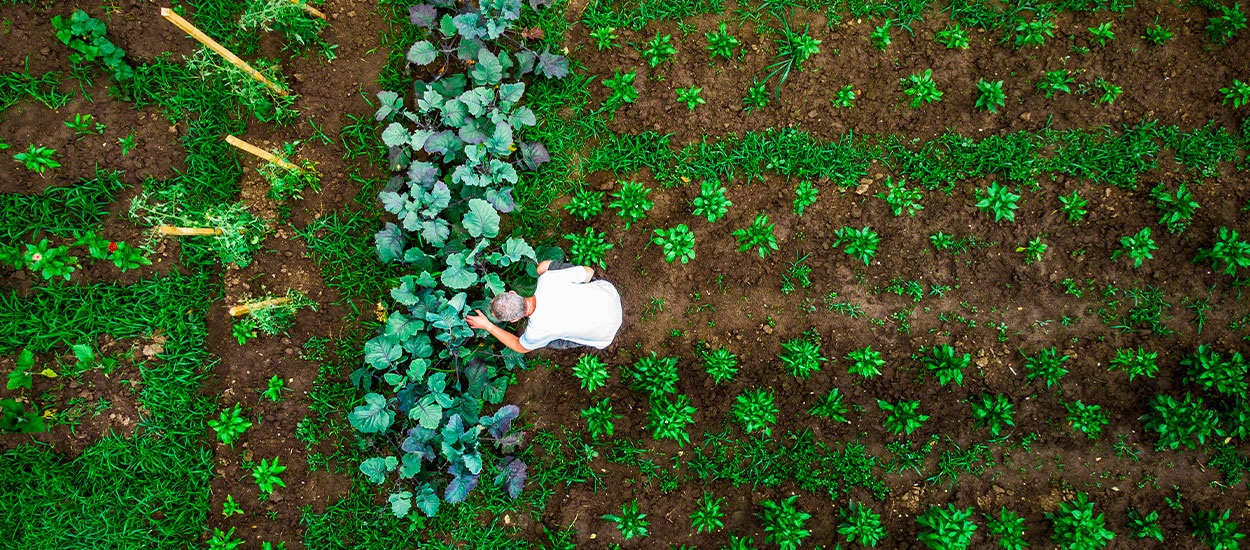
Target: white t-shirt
[570,308]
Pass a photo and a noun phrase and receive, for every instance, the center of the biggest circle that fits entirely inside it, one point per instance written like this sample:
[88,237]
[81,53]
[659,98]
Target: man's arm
[508,339]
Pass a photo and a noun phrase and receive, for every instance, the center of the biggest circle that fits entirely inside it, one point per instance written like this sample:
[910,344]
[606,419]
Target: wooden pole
[187,231]
[308,8]
[190,29]
[261,153]
[248,308]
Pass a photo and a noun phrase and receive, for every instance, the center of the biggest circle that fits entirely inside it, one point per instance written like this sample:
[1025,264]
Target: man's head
[508,307]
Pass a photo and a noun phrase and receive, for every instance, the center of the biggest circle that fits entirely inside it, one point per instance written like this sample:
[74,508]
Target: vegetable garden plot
[895,275]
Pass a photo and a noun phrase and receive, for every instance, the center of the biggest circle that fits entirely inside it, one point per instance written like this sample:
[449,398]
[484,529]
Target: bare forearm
[507,339]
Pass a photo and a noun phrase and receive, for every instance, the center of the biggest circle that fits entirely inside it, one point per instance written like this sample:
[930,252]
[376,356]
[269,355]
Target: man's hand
[479,321]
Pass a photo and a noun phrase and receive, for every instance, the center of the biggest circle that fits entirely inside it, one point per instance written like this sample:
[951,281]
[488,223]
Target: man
[567,310]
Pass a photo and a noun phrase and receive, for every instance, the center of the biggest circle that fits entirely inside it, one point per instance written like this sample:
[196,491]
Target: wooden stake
[190,29]
[308,8]
[187,231]
[261,153]
[248,308]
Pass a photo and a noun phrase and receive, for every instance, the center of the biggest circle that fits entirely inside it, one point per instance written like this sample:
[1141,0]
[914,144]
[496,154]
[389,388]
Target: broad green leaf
[511,92]
[523,116]
[19,379]
[401,503]
[455,114]
[457,275]
[390,103]
[377,467]
[500,142]
[472,462]
[472,132]
[488,70]
[511,475]
[552,65]
[427,412]
[417,368]
[401,327]
[382,352]
[393,202]
[447,26]
[501,199]
[517,249]
[443,142]
[494,285]
[84,353]
[459,488]
[422,53]
[435,232]
[25,359]
[372,417]
[390,243]
[410,466]
[430,100]
[395,135]
[469,25]
[418,139]
[427,500]
[481,220]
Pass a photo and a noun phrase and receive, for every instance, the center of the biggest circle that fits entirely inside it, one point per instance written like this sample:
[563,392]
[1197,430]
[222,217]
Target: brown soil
[733,299]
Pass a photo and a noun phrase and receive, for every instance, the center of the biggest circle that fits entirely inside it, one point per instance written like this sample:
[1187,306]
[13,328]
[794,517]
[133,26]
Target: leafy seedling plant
[585,204]
[1009,527]
[1034,33]
[721,44]
[999,201]
[1033,250]
[947,528]
[1177,209]
[1158,34]
[880,36]
[758,235]
[793,48]
[994,412]
[599,419]
[677,243]
[286,184]
[953,36]
[1224,26]
[922,88]
[1102,34]
[588,248]
[865,362]
[690,96]
[1076,526]
[707,517]
[623,89]
[231,425]
[1238,94]
[784,523]
[1087,419]
[1216,531]
[720,364]
[860,524]
[274,390]
[711,202]
[947,365]
[903,417]
[1144,526]
[831,406]
[1073,206]
[632,202]
[592,372]
[603,37]
[126,143]
[756,98]
[990,95]
[1137,246]
[1055,81]
[801,357]
[1109,91]
[1047,365]
[658,50]
[1136,363]
[670,416]
[81,125]
[860,243]
[755,410]
[37,159]
[844,98]
[804,196]
[266,475]
[900,198]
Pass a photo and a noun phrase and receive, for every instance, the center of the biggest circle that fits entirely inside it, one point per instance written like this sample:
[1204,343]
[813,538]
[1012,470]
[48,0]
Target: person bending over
[568,309]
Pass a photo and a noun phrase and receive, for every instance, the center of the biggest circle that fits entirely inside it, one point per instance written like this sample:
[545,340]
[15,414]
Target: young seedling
[711,202]
[860,243]
[880,37]
[900,198]
[720,364]
[804,196]
[1102,33]
[1228,249]
[677,243]
[953,36]
[632,202]
[707,517]
[755,410]
[1136,363]
[784,523]
[230,507]
[861,524]
[1158,34]
[1034,33]
[801,357]
[844,98]
[1087,419]
[865,362]
[37,159]
[1073,206]
[990,95]
[793,48]
[758,235]
[1055,81]
[1109,91]
[49,261]
[690,96]
[592,372]
[947,528]
[603,37]
[1076,526]
[589,247]
[654,375]
[1225,26]
[1217,532]
[1146,526]
[659,50]
[1010,529]
[600,420]
[81,125]
[1033,250]
[1047,365]
[831,406]
[797,272]
[998,201]
[1137,246]
[623,90]
[721,44]
[585,204]
[993,412]
[947,365]
[756,98]
[903,417]
[669,418]
[274,391]
[266,475]
[922,88]
[1238,93]
[1179,422]
[243,329]
[230,425]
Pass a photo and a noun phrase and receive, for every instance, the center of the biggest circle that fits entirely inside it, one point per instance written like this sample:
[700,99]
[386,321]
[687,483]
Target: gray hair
[508,307]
